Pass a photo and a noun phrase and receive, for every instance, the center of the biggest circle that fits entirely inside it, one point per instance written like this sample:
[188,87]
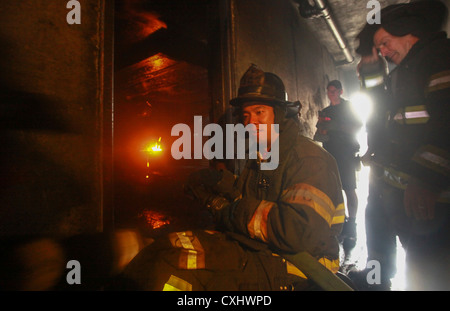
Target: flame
[156,147]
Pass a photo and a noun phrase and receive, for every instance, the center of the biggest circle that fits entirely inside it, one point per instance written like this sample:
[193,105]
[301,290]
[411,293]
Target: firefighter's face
[334,94]
[258,113]
[393,48]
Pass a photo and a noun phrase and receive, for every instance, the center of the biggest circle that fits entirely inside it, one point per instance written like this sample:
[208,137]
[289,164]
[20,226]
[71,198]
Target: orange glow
[156,147]
[147,23]
[150,23]
[154,219]
[155,63]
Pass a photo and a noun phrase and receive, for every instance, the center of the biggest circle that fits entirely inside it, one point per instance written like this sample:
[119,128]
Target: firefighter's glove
[226,186]
[198,193]
[205,197]
[217,203]
[211,188]
[214,182]
[207,177]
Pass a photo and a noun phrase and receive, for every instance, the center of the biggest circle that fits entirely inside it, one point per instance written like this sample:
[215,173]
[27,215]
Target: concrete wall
[51,115]
[272,35]
[446,26]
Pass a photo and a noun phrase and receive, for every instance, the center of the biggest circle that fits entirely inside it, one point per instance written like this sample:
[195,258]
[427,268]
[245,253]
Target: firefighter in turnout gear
[408,143]
[261,216]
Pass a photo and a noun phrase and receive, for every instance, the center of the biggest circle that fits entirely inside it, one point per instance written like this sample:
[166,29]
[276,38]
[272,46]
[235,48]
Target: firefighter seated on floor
[262,217]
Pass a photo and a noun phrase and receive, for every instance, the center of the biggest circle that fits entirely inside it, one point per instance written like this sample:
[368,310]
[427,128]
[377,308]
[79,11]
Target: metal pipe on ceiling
[321,10]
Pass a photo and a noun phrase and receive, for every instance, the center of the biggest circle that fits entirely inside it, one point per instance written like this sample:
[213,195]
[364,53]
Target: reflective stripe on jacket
[417,142]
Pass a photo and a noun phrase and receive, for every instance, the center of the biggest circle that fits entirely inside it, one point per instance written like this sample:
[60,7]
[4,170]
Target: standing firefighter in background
[410,146]
[260,216]
[336,129]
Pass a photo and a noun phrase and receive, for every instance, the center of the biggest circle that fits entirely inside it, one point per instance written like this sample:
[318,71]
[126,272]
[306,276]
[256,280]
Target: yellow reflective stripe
[332,265]
[192,255]
[308,195]
[257,227]
[412,115]
[439,81]
[188,259]
[339,216]
[433,158]
[176,284]
[292,269]
[185,241]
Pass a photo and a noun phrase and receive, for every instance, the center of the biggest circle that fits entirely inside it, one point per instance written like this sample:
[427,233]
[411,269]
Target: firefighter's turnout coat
[296,207]
[410,139]
[418,120]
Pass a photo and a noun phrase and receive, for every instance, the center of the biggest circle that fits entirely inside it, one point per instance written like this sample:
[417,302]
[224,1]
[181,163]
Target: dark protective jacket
[296,207]
[417,123]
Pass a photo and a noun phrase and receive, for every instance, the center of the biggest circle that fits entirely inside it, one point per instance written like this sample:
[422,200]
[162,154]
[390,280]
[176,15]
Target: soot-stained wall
[272,35]
[51,113]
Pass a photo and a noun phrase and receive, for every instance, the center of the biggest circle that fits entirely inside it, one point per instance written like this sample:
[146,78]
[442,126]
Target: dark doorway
[163,52]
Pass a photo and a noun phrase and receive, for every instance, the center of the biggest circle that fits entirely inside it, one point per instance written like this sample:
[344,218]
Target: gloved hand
[419,200]
[198,191]
[206,176]
[226,186]
[213,188]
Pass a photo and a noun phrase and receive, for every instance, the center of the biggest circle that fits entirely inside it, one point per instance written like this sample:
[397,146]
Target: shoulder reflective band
[433,158]
[439,81]
[412,115]
[339,215]
[257,227]
[176,284]
[317,200]
[192,255]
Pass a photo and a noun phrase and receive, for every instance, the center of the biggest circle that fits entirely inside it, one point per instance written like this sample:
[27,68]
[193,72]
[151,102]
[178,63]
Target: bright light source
[361,105]
[399,281]
[374,81]
[156,147]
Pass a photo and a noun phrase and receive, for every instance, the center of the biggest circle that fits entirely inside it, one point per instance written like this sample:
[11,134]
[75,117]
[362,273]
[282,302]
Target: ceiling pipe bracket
[321,9]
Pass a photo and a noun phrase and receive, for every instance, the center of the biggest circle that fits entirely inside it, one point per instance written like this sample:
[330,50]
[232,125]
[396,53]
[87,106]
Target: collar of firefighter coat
[289,132]
[420,45]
